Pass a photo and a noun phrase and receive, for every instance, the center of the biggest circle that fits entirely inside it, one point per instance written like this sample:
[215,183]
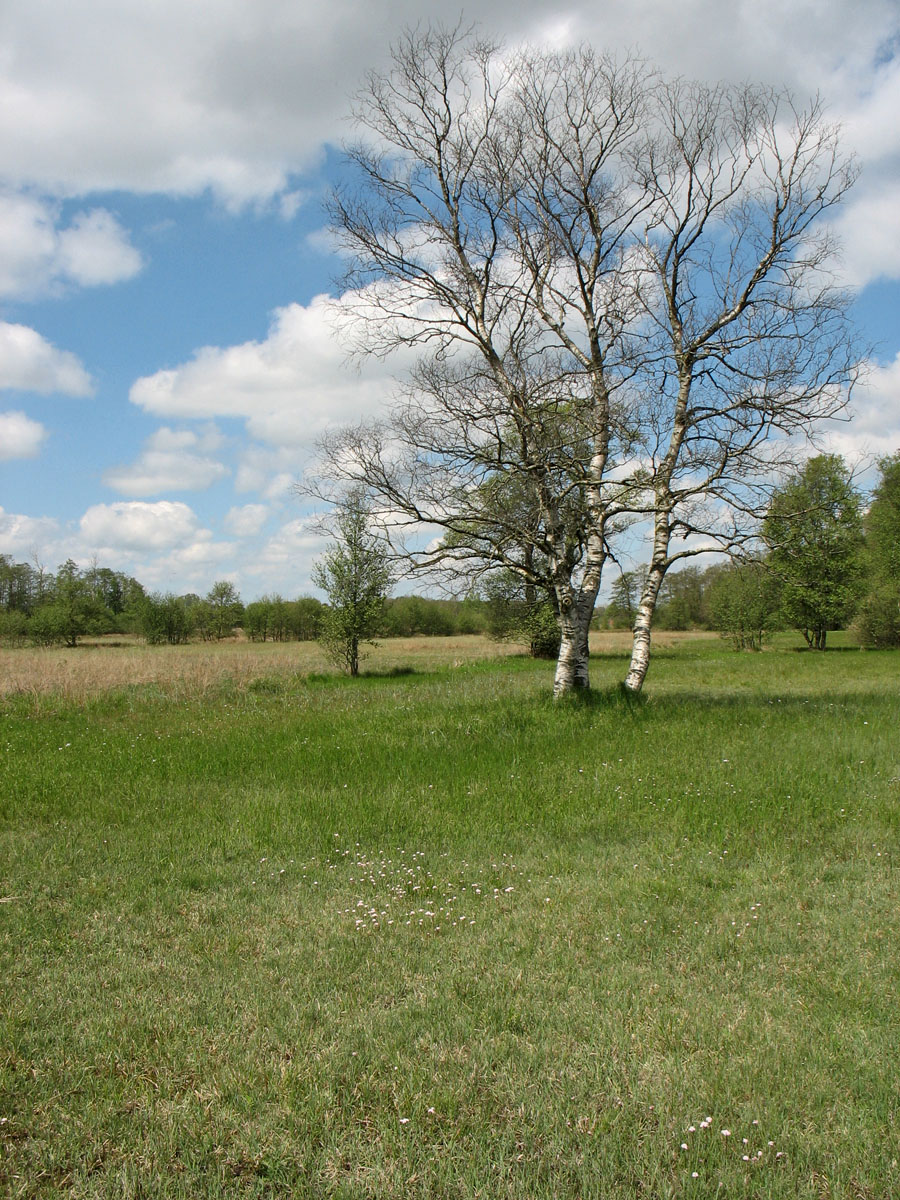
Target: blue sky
[167,346]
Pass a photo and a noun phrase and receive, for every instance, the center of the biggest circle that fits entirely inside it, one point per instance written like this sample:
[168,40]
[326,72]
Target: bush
[47,626]
[878,618]
[744,604]
[13,628]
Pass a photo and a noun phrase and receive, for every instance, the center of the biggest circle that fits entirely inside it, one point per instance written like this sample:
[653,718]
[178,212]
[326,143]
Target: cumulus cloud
[21,535]
[192,566]
[286,559]
[237,98]
[247,520]
[287,388]
[29,363]
[171,461]
[20,437]
[875,428]
[39,256]
[95,250]
[137,526]
[869,232]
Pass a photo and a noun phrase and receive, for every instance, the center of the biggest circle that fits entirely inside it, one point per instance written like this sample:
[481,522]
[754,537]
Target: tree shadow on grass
[616,697]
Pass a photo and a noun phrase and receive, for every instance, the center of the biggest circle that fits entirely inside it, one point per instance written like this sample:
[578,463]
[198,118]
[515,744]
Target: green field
[426,934]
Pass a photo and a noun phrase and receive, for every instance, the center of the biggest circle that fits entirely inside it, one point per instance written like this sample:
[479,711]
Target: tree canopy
[356,578]
[814,532]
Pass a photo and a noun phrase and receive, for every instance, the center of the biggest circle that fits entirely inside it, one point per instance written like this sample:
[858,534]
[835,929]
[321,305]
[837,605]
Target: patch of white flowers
[704,1149]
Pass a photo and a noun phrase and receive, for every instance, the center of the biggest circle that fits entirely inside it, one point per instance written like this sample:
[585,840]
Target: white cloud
[169,462]
[287,388]
[262,468]
[136,526]
[875,428]
[191,568]
[38,257]
[95,250]
[246,521]
[286,560]
[30,363]
[237,97]
[869,231]
[21,536]
[20,437]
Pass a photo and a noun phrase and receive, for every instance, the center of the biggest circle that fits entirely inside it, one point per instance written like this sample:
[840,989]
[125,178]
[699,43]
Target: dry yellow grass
[104,666]
[119,663]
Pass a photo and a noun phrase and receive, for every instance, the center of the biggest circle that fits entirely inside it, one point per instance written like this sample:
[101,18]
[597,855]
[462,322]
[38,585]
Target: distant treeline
[46,608]
[826,561]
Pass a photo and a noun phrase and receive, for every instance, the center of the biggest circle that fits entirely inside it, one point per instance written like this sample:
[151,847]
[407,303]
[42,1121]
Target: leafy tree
[258,620]
[878,619]
[814,533]
[409,616]
[356,578]
[70,611]
[681,599]
[13,626]
[165,619]
[223,609]
[21,586]
[744,603]
[304,618]
[118,594]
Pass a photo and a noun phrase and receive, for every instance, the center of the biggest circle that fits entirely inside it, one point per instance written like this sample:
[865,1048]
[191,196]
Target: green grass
[428,935]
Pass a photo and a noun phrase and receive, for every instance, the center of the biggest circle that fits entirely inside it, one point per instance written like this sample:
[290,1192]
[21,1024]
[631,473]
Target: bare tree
[618,296]
[487,227]
[748,340]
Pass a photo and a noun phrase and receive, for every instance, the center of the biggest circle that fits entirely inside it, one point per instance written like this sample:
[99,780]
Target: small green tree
[744,603]
[520,611]
[258,620]
[878,619]
[13,627]
[69,611]
[680,604]
[356,578]
[225,609]
[303,618]
[814,533]
[624,598]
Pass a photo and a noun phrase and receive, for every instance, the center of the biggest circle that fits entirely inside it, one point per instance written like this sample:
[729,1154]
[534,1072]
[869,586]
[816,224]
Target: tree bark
[643,624]
[354,656]
[572,666]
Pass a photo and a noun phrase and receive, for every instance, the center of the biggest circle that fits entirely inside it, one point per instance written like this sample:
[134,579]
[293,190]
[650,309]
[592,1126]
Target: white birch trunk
[643,624]
[572,666]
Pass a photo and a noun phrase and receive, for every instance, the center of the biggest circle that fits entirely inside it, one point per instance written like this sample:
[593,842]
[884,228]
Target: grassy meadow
[265,931]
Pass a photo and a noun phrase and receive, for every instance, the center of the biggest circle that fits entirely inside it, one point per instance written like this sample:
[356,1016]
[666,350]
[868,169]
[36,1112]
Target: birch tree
[618,297]
[461,244]
[748,339]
